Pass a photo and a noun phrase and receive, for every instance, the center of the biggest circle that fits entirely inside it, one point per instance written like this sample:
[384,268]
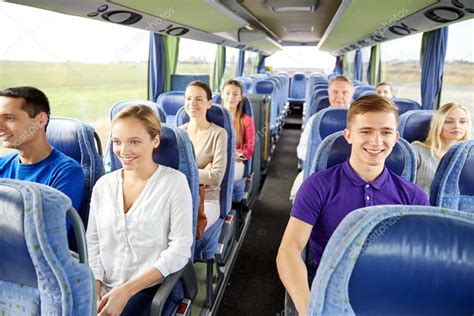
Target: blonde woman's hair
[145,115]
[433,141]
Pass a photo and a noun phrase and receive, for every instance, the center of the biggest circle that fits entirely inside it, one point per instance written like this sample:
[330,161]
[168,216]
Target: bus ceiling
[264,26]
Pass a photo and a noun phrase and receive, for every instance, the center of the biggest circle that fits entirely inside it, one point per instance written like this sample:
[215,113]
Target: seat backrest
[360,89]
[269,87]
[405,105]
[415,124]
[38,275]
[453,183]
[415,260]
[325,123]
[76,139]
[221,117]
[297,85]
[320,103]
[247,109]
[334,149]
[117,107]
[171,102]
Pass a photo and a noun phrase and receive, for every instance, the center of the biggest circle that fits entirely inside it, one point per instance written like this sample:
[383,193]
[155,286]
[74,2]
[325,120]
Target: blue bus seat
[326,122]
[297,88]
[268,87]
[38,274]
[334,149]
[453,183]
[415,124]
[171,102]
[79,141]
[361,89]
[319,104]
[427,271]
[117,107]
[405,105]
[216,244]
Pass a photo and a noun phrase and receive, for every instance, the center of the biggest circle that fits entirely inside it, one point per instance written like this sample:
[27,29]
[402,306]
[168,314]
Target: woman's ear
[156,141]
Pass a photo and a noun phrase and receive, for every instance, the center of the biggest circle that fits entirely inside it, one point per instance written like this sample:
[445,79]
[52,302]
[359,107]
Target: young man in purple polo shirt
[326,197]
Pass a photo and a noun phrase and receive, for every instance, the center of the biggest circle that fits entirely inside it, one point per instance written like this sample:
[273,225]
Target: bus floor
[254,286]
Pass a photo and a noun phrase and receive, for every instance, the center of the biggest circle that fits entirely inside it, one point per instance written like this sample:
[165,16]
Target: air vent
[285,6]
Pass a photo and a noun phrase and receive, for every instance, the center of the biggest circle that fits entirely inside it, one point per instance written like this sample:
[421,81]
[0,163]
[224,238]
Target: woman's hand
[113,303]
[98,290]
[208,166]
[239,157]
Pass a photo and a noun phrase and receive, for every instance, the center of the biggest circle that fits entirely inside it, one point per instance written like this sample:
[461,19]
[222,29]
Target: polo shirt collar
[356,180]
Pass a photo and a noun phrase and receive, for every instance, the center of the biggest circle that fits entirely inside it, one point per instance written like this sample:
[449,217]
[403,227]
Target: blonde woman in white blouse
[140,222]
[450,124]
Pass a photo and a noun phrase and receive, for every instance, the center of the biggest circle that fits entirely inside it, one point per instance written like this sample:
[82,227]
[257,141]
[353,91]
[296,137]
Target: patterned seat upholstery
[38,274]
[397,259]
[453,183]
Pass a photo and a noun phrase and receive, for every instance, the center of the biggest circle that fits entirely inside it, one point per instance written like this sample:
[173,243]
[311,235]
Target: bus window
[196,57]
[458,76]
[83,66]
[251,63]
[231,57]
[401,66]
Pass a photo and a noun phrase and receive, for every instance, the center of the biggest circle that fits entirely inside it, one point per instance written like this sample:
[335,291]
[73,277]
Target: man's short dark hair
[35,100]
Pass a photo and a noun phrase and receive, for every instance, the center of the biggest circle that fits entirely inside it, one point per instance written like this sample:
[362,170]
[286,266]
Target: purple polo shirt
[326,197]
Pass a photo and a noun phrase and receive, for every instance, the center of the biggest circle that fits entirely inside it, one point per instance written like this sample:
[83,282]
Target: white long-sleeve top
[155,232]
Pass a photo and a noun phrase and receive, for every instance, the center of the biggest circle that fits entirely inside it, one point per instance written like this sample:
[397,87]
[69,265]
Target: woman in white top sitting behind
[450,124]
[140,222]
[210,146]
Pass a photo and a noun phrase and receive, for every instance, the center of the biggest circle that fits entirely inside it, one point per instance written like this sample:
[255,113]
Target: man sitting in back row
[24,116]
[326,197]
[340,92]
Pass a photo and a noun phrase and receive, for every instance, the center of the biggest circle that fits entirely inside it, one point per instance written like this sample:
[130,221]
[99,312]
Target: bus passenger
[340,92]
[210,144]
[363,180]
[384,89]
[450,124]
[24,117]
[140,225]
[233,100]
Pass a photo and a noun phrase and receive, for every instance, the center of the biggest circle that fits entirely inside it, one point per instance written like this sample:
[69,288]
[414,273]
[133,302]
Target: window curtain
[338,66]
[373,70]
[171,58]
[219,68]
[261,64]
[156,67]
[358,65]
[240,64]
[432,57]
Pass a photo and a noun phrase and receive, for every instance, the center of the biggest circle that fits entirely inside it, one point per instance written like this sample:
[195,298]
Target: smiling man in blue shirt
[24,116]
[326,197]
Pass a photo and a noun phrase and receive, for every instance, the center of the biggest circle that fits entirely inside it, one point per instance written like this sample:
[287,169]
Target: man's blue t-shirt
[57,171]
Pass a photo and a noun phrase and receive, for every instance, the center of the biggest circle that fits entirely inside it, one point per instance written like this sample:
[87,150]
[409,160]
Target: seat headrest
[171,101]
[264,87]
[215,115]
[117,107]
[415,124]
[405,105]
[334,150]
[63,134]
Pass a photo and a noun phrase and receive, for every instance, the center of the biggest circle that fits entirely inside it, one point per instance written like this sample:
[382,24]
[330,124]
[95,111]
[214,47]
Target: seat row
[218,246]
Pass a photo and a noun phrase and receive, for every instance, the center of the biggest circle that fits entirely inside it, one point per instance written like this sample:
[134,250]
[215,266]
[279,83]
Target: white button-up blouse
[155,232]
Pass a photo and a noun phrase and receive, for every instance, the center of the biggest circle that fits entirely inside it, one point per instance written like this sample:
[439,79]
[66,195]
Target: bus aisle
[254,286]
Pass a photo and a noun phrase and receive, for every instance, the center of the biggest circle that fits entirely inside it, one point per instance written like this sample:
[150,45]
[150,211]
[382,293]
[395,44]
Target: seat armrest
[226,239]
[187,275]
